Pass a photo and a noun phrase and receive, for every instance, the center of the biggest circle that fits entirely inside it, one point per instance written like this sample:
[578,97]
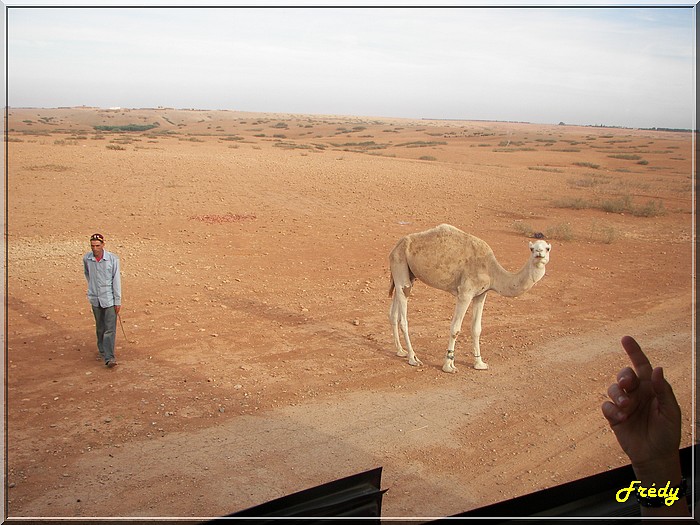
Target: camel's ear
[530,243]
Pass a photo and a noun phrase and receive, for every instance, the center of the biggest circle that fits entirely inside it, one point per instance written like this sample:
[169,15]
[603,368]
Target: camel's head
[540,252]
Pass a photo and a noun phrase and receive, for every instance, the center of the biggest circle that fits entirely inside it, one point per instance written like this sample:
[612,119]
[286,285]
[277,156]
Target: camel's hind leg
[398,315]
[394,313]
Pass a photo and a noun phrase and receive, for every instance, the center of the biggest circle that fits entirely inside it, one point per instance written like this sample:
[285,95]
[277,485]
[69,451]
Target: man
[105,295]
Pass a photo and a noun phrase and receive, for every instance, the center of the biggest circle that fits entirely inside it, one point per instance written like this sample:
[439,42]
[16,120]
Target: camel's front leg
[455,328]
[477,310]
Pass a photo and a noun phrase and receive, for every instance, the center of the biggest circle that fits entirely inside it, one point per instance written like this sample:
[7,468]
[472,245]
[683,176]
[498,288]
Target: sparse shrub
[367,145]
[115,147]
[128,127]
[427,157]
[620,205]
[560,232]
[603,233]
[548,170]
[625,156]
[291,145]
[422,144]
[381,154]
[58,168]
[523,228]
[35,133]
[590,180]
[512,150]
[574,204]
[587,165]
[650,209]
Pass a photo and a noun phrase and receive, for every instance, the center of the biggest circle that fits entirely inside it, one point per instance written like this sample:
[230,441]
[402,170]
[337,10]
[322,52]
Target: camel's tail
[391,286]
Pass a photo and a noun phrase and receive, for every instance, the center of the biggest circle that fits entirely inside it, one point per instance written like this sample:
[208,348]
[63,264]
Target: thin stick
[122,325]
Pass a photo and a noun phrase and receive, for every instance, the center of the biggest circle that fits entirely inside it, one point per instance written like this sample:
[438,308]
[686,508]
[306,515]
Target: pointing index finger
[639,360]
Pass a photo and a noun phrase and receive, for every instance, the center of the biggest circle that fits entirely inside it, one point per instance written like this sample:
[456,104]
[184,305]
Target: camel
[449,259]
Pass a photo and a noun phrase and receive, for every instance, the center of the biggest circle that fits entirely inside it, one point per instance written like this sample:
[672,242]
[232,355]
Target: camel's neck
[510,284]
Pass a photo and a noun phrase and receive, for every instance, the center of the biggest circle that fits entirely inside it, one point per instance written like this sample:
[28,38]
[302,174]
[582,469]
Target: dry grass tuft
[623,204]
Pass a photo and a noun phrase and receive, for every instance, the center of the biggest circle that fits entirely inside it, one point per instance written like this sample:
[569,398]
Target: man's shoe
[111,363]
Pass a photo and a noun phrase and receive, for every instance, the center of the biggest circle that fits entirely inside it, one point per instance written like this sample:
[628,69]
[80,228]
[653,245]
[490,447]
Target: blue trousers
[106,328]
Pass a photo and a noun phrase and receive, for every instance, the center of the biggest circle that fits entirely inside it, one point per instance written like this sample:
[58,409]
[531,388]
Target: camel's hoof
[481,366]
[450,368]
[415,362]
[401,353]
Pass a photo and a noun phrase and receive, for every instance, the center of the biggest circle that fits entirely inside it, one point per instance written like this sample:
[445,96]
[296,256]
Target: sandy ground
[255,356]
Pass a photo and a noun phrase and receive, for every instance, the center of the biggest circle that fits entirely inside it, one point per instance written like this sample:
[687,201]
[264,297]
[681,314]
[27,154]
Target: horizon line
[448,119]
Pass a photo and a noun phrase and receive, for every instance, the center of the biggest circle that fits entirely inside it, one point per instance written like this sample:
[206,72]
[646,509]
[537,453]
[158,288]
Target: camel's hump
[448,235]
[448,229]
[442,228]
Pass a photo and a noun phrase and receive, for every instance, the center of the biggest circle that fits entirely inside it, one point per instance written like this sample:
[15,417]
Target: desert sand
[255,352]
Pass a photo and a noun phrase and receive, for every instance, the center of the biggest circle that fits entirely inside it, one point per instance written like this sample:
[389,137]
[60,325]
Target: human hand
[644,415]
[117,308]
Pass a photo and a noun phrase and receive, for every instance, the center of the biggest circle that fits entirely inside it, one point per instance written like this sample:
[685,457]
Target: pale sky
[631,66]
